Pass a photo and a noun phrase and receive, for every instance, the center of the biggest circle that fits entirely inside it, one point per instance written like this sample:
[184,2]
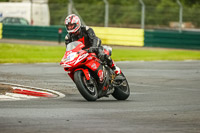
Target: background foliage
[127,13]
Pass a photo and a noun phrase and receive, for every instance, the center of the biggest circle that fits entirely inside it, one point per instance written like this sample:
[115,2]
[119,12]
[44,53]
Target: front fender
[85,71]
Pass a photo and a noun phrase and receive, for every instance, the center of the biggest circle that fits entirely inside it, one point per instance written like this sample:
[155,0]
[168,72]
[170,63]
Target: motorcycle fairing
[72,58]
[93,65]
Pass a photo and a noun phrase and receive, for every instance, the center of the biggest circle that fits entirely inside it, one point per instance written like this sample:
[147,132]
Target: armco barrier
[33,32]
[172,39]
[120,36]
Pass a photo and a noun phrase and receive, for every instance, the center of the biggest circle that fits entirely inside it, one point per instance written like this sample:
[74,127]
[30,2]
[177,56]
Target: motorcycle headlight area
[71,57]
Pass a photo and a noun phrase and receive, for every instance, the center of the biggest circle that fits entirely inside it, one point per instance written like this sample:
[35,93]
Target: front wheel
[122,90]
[88,89]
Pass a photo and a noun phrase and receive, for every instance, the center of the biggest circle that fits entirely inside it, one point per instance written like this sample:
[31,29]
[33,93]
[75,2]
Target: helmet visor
[70,26]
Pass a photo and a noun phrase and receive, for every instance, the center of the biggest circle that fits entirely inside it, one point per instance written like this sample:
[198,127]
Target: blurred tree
[190,2]
[126,13]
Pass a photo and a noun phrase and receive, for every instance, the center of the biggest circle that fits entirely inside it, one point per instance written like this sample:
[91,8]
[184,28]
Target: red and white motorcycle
[93,78]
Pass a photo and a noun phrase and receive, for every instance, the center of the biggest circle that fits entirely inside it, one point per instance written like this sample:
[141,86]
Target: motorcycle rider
[86,35]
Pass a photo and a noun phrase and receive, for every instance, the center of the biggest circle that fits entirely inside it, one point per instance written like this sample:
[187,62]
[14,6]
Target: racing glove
[92,50]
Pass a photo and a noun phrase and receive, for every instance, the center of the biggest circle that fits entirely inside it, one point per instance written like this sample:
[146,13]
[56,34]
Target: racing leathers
[87,36]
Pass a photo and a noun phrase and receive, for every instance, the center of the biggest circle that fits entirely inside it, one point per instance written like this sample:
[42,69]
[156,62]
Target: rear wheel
[122,90]
[88,89]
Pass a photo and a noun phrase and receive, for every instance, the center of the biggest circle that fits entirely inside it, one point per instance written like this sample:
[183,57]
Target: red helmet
[72,23]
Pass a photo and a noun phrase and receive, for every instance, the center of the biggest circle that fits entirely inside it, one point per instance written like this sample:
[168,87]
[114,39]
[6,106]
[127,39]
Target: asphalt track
[165,98]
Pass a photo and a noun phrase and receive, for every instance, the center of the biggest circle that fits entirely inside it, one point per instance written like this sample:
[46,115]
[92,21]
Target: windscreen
[72,45]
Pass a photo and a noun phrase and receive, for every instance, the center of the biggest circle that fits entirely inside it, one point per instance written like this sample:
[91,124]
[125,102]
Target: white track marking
[14,96]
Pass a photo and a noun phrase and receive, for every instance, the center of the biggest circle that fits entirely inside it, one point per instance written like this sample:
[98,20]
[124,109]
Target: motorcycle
[93,77]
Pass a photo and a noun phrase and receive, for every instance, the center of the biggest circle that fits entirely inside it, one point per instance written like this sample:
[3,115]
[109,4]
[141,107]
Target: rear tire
[88,91]
[122,92]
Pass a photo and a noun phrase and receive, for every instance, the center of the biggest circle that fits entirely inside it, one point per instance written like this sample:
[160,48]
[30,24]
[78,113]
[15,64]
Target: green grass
[17,53]
[148,54]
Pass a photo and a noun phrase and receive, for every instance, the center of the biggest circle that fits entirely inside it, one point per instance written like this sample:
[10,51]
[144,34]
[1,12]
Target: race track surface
[165,98]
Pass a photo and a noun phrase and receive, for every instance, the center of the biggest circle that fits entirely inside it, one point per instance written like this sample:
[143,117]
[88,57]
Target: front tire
[87,90]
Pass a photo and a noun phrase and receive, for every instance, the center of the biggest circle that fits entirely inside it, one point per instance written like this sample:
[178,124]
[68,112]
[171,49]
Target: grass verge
[17,53]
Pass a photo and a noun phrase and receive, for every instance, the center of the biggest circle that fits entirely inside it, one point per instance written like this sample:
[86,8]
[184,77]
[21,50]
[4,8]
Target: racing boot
[115,68]
[112,65]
